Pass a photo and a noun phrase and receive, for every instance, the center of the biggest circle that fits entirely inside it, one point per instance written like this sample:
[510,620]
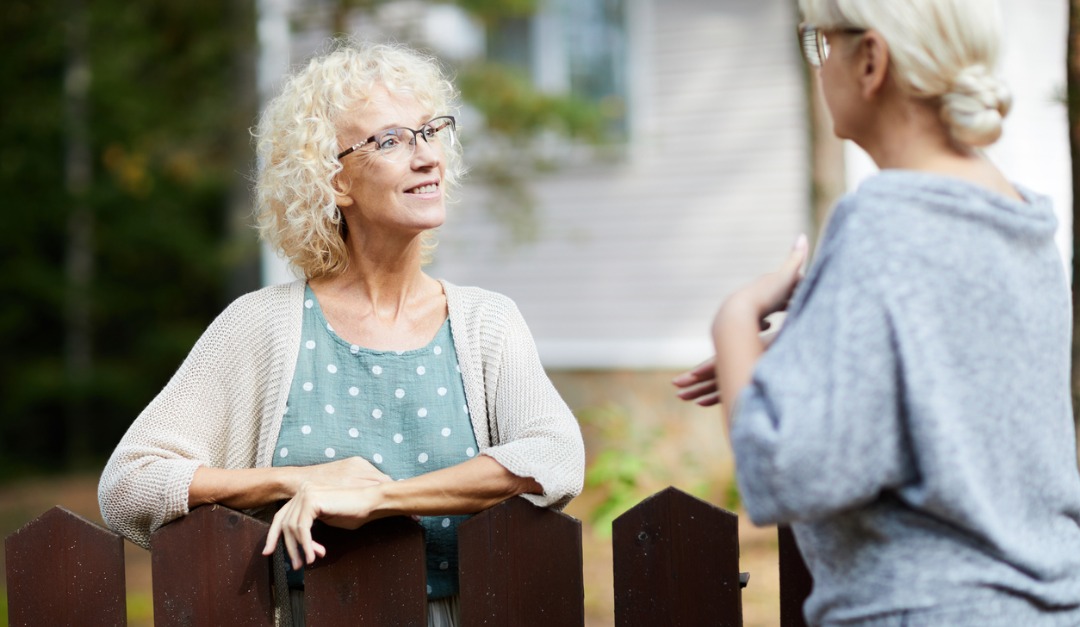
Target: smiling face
[381,198]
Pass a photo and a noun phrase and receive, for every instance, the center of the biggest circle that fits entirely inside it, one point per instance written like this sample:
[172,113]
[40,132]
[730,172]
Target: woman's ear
[341,190]
[873,64]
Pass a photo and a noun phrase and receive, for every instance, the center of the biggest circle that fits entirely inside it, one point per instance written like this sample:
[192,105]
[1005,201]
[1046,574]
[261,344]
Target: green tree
[115,165]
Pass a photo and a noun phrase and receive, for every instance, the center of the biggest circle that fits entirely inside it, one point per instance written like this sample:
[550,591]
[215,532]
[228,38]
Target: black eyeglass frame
[812,32]
[421,132]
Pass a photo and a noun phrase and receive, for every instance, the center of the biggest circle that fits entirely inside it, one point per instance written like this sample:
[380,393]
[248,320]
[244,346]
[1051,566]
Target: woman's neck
[384,279]
[910,136]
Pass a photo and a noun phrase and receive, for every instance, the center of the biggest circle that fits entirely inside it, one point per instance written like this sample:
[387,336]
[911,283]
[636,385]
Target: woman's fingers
[793,265]
[697,391]
[273,535]
[709,400]
[701,372]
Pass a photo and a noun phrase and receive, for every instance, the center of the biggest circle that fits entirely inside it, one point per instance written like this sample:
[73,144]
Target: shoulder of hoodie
[896,216]
[925,200]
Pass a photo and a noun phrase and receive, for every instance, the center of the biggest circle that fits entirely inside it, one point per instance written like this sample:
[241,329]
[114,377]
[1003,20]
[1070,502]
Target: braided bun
[975,107]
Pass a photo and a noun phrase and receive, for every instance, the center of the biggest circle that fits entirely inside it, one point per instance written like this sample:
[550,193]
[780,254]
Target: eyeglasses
[815,44]
[398,144]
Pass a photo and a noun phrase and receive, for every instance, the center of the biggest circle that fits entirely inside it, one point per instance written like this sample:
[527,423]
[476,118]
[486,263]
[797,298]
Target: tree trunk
[78,172]
[827,177]
[1073,83]
[241,243]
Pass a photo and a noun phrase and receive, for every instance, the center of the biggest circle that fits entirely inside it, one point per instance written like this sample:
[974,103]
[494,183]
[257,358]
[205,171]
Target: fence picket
[795,580]
[521,565]
[372,576]
[208,570]
[65,570]
[676,562]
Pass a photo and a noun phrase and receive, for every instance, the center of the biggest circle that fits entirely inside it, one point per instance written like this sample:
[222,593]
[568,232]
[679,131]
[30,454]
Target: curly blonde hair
[944,51]
[296,143]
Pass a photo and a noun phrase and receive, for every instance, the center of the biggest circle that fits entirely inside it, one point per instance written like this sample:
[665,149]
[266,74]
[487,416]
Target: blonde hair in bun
[976,106]
[942,51]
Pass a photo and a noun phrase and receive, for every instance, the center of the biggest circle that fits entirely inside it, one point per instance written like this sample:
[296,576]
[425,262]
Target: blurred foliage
[518,116]
[159,119]
[627,469]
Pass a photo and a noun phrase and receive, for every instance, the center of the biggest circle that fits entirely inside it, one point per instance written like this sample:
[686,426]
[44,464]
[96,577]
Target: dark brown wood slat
[65,570]
[520,565]
[373,576]
[795,580]
[208,569]
[676,562]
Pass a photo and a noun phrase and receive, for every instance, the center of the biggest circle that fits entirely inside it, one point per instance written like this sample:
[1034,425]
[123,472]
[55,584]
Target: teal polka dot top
[403,411]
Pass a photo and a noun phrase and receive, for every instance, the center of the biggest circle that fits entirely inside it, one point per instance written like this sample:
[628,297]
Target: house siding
[632,255]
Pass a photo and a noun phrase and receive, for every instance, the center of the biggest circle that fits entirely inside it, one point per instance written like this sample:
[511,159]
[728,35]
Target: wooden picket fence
[676,563]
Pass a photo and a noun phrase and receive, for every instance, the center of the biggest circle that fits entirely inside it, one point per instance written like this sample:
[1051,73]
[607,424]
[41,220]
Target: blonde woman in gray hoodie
[912,419]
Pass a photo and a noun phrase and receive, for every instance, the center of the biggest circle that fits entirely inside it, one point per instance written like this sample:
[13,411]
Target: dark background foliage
[160,135]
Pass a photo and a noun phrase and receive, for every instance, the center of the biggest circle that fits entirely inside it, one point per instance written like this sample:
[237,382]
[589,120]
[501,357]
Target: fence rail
[675,564]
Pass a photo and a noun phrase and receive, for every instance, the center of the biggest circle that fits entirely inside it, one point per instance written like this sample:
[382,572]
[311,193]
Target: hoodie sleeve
[820,427]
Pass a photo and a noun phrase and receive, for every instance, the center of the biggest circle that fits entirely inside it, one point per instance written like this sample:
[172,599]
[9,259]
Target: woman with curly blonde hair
[912,418]
[367,388]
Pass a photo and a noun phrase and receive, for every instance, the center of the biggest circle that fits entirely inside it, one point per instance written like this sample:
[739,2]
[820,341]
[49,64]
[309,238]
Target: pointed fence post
[208,569]
[676,563]
[795,580]
[371,576]
[65,570]
[520,565]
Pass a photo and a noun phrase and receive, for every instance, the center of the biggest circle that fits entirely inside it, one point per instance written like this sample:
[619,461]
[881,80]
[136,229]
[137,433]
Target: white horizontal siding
[632,258]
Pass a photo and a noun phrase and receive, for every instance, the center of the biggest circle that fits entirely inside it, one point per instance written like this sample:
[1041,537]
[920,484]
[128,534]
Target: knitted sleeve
[209,413]
[533,433]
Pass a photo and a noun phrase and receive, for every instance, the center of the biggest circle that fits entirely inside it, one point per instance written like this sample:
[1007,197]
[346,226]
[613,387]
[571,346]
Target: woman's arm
[245,488]
[737,325]
[534,433]
[465,488]
[210,414]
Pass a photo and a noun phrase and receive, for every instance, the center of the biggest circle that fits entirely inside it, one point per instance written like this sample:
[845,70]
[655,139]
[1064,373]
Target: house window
[576,47]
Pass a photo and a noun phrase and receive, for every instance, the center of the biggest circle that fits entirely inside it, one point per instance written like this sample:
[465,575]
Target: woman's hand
[770,293]
[699,384]
[345,507]
[351,472]
[339,493]
[738,323]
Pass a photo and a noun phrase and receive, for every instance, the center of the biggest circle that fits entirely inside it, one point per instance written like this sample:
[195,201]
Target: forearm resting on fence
[466,488]
[254,487]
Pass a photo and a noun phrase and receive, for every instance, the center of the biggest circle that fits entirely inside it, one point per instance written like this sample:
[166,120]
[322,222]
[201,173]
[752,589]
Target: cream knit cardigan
[223,407]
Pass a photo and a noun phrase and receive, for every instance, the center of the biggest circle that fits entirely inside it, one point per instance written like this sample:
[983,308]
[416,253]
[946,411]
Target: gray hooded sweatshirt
[912,419]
